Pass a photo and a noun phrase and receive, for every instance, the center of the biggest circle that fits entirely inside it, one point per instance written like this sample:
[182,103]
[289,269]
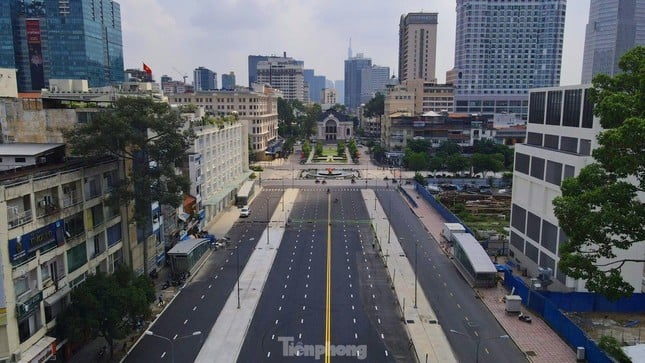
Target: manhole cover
[530,353]
[410,321]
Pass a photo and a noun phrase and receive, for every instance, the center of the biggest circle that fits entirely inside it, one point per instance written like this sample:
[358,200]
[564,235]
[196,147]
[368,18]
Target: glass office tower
[64,39]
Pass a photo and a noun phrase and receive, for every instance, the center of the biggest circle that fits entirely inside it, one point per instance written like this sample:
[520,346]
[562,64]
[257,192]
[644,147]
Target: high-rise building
[503,48]
[614,27]
[228,81]
[373,80]
[417,46]
[339,85]
[316,85]
[253,67]
[204,79]
[45,40]
[353,74]
[285,74]
[561,137]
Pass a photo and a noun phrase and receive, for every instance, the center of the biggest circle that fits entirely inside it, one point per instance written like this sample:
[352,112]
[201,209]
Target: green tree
[340,148]
[419,178]
[105,306]
[319,148]
[488,146]
[313,113]
[416,161]
[375,107]
[599,210]
[456,163]
[436,163]
[378,152]
[420,145]
[148,134]
[447,148]
[487,162]
[306,149]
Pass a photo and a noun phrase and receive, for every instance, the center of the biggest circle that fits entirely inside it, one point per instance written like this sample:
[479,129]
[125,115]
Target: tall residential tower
[503,48]
[353,77]
[417,46]
[614,27]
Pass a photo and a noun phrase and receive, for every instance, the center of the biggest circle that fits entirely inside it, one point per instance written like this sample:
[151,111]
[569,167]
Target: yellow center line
[328,295]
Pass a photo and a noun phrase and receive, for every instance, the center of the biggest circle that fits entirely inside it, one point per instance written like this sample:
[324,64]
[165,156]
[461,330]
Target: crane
[182,74]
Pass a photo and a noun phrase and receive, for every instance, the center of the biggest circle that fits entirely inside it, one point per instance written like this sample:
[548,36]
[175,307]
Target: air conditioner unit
[16,356]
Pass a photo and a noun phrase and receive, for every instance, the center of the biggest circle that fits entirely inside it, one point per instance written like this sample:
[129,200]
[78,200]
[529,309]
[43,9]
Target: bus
[245,193]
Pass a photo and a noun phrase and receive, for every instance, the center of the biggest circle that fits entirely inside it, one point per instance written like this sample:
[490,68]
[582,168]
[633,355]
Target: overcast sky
[175,37]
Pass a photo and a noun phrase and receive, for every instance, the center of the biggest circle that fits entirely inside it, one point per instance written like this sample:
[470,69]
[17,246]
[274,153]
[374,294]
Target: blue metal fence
[409,197]
[549,311]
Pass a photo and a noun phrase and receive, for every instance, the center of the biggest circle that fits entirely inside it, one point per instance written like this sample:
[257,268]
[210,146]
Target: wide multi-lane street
[327,296]
[327,284]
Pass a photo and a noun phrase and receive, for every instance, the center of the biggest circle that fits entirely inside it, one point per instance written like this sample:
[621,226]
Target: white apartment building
[258,112]
[561,134]
[57,229]
[218,165]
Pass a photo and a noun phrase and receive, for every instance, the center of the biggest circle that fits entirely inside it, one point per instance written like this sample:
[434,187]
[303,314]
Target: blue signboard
[24,247]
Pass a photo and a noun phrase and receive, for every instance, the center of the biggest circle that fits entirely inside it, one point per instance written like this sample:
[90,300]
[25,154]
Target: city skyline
[235,30]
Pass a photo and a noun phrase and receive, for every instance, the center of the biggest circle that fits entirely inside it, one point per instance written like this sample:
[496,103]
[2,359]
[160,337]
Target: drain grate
[531,353]
[410,321]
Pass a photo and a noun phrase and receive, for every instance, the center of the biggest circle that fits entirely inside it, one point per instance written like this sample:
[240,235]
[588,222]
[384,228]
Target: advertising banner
[22,248]
[35,54]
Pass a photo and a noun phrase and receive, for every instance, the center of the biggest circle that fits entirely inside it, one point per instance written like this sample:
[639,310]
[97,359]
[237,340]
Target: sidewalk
[427,336]
[536,340]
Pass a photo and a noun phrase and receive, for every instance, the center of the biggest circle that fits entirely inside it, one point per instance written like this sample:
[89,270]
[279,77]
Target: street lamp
[505,336]
[172,344]
[237,256]
[416,244]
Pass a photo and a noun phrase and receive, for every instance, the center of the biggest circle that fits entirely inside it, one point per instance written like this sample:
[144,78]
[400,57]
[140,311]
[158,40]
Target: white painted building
[561,134]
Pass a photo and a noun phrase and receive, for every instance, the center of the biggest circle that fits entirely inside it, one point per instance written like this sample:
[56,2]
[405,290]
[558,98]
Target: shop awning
[183,216]
[41,351]
[53,298]
[189,203]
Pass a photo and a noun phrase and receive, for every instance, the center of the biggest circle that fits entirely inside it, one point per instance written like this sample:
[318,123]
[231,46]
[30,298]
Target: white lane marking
[354,320]
[202,297]
[379,320]
[375,307]
[185,321]
[352,307]
[302,321]
[306,285]
[226,260]
[209,286]
[382,337]
[299,335]
[163,355]
[285,286]
[175,337]
[221,268]
[273,337]
[282,296]
[386,353]
[269,354]
[373,297]
[194,308]
[279,308]
[355,336]
[303,307]
[351,296]
[216,277]
[276,321]
[305,296]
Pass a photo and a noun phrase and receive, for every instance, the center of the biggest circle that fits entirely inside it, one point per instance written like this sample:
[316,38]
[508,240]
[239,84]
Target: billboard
[34,44]
[22,248]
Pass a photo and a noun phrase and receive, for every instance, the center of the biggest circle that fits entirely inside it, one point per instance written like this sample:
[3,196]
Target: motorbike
[525,318]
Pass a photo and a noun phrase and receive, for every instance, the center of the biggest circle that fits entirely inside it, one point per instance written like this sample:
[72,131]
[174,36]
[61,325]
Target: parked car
[245,211]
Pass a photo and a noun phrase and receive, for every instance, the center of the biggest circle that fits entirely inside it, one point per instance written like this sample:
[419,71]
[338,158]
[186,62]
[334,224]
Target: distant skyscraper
[285,74]
[503,48]
[45,40]
[228,81]
[614,27]
[253,67]
[205,79]
[374,80]
[316,85]
[339,85]
[349,49]
[417,46]
[353,74]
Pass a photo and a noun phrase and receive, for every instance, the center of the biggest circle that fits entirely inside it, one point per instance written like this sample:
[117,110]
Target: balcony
[71,199]
[19,218]
[47,207]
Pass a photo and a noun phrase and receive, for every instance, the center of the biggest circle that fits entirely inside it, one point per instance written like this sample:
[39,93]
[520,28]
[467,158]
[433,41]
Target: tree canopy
[150,135]
[106,306]
[375,107]
[600,210]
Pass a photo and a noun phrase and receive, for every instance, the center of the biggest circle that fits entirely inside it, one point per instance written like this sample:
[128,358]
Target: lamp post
[237,256]
[415,273]
[172,344]
[478,341]
[389,224]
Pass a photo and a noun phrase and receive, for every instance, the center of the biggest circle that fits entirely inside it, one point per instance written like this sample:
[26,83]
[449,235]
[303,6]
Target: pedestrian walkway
[536,340]
[429,340]
[226,338]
